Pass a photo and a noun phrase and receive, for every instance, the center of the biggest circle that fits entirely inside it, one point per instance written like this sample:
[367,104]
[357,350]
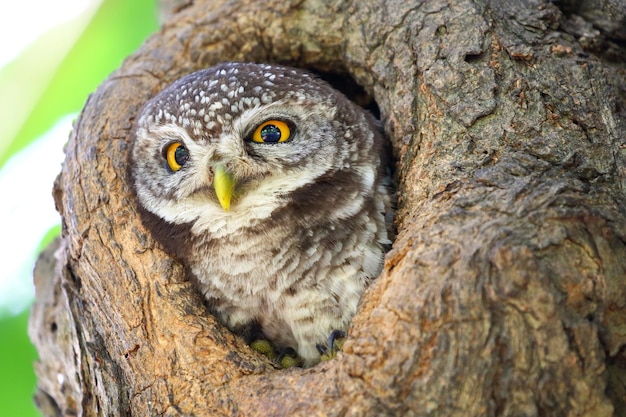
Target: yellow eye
[272,131]
[176,155]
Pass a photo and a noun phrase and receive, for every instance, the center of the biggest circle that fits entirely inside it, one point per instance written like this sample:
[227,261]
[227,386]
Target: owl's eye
[176,155]
[272,131]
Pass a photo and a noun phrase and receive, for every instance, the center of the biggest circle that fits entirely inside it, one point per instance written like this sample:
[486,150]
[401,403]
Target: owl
[272,188]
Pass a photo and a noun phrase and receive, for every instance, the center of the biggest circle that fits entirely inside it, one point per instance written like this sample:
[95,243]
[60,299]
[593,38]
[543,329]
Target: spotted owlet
[270,187]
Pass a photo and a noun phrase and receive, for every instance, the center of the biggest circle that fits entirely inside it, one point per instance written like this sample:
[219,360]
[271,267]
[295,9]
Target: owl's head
[237,142]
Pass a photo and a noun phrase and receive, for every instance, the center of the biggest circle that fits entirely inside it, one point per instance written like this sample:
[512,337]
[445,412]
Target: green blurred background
[47,81]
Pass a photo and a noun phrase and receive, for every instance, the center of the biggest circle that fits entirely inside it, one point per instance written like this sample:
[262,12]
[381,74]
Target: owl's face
[232,144]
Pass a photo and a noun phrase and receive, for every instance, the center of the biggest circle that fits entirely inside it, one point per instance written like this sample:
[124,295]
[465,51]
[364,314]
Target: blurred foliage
[17,378]
[118,28]
[49,237]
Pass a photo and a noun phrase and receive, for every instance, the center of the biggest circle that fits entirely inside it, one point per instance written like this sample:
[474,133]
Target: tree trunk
[505,291]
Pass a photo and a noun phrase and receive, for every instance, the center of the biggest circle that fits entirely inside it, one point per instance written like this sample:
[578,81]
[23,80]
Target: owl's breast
[261,265]
[262,259]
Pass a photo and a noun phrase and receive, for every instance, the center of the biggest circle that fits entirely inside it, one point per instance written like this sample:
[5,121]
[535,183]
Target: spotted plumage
[269,185]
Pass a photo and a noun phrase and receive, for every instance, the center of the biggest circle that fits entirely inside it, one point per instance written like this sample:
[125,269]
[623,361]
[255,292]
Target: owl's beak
[224,185]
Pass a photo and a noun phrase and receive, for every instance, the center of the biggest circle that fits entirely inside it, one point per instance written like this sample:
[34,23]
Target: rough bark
[504,293]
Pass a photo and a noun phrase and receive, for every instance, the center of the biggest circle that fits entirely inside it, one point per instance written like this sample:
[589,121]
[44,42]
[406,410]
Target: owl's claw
[286,358]
[289,358]
[335,343]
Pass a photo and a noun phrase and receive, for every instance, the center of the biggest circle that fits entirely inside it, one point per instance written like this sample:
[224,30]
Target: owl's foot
[264,347]
[286,358]
[335,343]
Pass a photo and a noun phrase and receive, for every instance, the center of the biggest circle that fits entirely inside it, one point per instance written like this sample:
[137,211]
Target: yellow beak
[224,185]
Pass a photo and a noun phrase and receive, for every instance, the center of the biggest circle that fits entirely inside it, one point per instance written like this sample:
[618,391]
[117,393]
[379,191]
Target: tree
[505,291]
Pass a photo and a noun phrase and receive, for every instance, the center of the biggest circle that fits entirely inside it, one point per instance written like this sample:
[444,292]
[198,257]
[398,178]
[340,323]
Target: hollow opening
[351,89]
[470,58]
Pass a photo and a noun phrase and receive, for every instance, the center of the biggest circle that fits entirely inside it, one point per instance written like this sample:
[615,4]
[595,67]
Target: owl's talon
[335,343]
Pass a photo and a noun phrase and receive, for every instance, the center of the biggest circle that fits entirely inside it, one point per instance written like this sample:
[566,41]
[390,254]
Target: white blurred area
[35,37]
[28,212]
[22,22]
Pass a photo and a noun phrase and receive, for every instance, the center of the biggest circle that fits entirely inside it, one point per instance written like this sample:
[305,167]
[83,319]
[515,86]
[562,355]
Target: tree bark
[505,290]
